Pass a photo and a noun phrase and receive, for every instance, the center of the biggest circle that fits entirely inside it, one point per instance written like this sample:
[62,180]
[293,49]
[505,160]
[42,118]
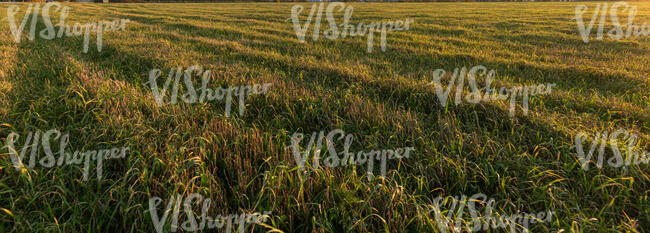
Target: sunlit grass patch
[243,163]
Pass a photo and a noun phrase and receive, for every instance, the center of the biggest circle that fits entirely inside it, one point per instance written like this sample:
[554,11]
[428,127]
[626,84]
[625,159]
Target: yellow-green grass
[243,164]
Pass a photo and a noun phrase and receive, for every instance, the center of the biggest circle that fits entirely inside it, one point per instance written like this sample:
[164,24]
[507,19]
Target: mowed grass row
[243,163]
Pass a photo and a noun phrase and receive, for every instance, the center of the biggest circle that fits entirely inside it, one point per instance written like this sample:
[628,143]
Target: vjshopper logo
[600,15]
[35,141]
[205,93]
[191,224]
[516,223]
[347,158]
[632,152]
[49,33]
[475,95]
[344,29]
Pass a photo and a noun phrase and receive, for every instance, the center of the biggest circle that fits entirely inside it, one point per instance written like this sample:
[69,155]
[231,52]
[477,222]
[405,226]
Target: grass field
[244,163]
